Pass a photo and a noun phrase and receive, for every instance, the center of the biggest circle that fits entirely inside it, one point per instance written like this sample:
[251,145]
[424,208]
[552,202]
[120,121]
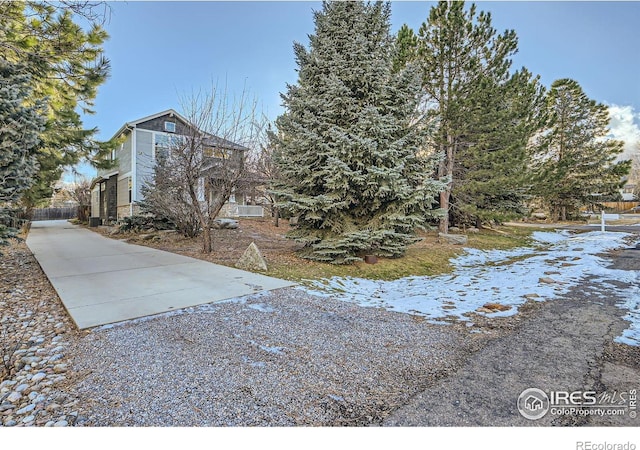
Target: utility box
[94,221]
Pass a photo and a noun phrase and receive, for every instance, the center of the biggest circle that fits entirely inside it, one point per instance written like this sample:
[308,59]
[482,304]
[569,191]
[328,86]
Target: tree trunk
[444,204]
[206,240]
[446,170]
[276,216]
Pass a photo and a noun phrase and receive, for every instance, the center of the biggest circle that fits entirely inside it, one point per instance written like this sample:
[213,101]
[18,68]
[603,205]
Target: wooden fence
[619,206]
[68,212]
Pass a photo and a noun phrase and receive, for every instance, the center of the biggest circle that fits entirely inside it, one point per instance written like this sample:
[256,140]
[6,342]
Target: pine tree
[351,158]
[465,69]
[20,125]
[491,177]
[66,66]
[576,161]
[406,47]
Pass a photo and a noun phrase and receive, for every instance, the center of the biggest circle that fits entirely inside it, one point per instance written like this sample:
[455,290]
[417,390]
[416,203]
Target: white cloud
[624,126]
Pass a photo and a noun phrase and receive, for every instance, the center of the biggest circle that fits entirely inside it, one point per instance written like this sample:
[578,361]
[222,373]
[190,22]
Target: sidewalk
[101,280]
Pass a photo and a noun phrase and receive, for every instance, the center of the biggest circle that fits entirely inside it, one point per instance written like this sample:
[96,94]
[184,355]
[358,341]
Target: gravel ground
[35,334]
[277,359]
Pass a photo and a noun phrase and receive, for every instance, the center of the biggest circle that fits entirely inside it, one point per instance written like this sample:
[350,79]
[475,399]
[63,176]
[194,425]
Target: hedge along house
[114,192]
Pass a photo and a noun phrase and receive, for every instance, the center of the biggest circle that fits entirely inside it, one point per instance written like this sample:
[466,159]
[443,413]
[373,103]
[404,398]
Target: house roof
[210,139]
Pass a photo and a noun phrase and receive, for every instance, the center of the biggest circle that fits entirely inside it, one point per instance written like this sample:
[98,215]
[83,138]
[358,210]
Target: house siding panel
[144,160]
[124,156]
[95,201]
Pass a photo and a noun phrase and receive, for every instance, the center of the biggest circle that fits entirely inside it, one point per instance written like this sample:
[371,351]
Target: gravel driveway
[282,358]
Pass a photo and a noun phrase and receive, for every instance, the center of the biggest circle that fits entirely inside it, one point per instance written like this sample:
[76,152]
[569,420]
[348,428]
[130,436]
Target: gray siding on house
[157,124]
[124,157]
[95,201]
[144,160]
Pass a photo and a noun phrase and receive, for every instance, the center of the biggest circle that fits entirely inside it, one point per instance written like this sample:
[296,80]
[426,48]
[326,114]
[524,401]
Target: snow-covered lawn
[495,283]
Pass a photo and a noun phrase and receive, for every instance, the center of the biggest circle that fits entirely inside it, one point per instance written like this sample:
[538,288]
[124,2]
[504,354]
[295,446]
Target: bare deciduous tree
[81,193]
[203,164]
[267,170]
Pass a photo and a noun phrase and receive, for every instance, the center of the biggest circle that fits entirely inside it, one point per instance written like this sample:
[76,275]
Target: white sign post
[604,217]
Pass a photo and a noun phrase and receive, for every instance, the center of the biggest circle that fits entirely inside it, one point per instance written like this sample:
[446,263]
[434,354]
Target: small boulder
[547,280]
[454,239]
[252,259]
[454,230]
[473,230]
[225,224]
[496,307]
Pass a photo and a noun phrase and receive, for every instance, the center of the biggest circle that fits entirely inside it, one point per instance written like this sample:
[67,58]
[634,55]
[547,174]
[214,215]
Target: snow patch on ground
[554,263]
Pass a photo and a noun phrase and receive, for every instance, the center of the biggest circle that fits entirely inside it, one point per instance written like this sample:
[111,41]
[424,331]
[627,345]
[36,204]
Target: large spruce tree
[576,160]
[353,165]
[20,126]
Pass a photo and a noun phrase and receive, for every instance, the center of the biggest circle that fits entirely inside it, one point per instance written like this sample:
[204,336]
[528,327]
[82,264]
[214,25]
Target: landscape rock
[229,224]
[60,368]
[252,259]
[473,230]
[454,239]
[35,323]
[38,377]
[547,280]
[26,409]
[539,216]
[14,397]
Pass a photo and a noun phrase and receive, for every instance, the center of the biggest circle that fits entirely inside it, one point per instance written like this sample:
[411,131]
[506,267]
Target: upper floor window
[170,127]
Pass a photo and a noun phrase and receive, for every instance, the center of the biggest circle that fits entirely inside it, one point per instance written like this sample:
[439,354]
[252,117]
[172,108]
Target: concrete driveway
[103,281]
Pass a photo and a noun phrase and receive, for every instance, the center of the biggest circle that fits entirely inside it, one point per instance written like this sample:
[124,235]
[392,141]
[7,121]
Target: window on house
[170,127]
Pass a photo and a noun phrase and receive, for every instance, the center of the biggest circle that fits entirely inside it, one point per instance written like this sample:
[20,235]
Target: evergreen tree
[349,146]
[66,66]
[576,161]
[406,47]
[465,67]
[20,125]
[491,177]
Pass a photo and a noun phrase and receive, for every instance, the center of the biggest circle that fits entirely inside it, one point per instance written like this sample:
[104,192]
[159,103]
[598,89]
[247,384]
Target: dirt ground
[228,245]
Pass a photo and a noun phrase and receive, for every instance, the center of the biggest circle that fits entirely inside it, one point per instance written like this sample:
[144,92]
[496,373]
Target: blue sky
[161,51]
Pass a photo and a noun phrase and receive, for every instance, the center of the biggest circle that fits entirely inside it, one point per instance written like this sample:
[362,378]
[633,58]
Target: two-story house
[115,192]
